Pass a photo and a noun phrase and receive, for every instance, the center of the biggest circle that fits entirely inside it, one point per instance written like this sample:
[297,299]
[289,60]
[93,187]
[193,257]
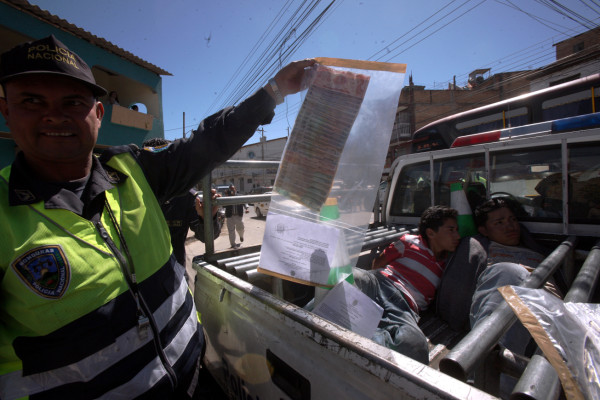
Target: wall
[268,150]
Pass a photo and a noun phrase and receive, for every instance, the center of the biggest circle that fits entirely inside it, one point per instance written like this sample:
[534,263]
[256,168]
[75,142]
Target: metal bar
[474,347]
[249,164]
[209,240]
[228,201]
[241,270]
[586,281]
[540,381]
[224,261]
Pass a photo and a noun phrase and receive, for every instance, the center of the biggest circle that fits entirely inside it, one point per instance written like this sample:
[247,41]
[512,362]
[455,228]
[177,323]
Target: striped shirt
[413,269]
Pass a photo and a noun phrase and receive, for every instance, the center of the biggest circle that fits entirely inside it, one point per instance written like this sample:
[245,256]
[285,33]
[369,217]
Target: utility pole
[262,143]
[262,152]
[184,124]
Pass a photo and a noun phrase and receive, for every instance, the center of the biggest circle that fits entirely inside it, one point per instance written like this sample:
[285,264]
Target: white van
[261,343]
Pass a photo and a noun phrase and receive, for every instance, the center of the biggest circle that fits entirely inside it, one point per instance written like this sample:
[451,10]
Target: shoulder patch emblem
[157,149]
[45,270]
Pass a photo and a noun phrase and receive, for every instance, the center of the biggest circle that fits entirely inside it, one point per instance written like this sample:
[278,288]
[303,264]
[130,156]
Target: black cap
[47,56]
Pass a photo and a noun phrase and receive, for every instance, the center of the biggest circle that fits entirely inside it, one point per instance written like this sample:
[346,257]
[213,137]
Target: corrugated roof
[66,26]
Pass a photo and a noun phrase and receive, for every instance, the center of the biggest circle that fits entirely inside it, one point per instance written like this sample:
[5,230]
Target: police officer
[93,302]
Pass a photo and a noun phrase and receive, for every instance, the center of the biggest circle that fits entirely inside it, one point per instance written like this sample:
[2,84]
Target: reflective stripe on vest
[86,285]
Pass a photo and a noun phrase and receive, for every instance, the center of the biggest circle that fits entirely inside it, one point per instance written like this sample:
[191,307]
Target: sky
[214,47]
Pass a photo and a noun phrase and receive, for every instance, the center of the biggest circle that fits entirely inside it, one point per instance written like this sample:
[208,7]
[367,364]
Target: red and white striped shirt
[413,269]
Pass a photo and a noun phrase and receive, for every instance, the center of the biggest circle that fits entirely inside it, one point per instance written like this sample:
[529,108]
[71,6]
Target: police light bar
[560,125]
[576,123]
[476,138]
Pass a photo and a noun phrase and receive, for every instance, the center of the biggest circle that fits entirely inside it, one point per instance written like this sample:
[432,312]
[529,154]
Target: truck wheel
[258,213]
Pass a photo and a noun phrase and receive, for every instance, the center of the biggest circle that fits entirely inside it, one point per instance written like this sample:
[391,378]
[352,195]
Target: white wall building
[245,179]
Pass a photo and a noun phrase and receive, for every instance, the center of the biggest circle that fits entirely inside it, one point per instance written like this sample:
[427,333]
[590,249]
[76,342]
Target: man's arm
[179,166]
[391,252]
[379,262]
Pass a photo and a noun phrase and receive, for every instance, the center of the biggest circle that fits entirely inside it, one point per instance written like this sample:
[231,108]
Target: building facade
[135,80]
[245,179]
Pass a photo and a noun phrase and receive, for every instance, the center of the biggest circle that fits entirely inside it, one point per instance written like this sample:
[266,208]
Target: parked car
[262,208]
[259,190]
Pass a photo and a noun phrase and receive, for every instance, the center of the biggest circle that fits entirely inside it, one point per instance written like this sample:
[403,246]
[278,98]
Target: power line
[568,13]
[413,28]
[542,21]
[286,41]
[270,27]
[267,62]
[426,28]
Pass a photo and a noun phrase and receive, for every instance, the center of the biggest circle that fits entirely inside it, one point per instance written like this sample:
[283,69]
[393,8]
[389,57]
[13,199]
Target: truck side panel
[259,346]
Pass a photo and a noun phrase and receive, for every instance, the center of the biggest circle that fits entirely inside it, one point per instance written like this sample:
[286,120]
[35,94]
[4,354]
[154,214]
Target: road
[254,230]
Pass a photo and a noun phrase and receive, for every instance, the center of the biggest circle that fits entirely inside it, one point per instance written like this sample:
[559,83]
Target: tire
[258,213]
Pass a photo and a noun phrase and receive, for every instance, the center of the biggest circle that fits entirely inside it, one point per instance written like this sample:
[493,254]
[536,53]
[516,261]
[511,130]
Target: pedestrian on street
[234,215]
[94,304]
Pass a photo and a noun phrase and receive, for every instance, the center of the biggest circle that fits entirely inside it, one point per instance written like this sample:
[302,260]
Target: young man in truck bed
[405,277]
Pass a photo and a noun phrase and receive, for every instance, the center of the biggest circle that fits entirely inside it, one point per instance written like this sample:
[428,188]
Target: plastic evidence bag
[330,171]
[567,333]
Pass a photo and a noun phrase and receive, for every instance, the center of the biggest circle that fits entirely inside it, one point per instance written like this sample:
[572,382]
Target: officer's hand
[289,78]
[200,205]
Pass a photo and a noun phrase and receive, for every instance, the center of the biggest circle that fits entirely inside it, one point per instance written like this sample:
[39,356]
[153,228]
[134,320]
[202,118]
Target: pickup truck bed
[261,341]
[259,346]
[262,344]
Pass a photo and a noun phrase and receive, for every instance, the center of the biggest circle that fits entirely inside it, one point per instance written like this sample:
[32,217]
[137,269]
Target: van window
[412,192]
[468,170]
[566,106]
[584,173]
[532,178]
[494,121]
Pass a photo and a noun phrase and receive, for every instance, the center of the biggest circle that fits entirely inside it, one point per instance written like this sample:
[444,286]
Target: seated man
[502,254]
[509,262]
[413,269]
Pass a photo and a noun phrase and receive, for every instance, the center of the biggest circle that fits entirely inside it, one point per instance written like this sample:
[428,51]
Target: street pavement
[254,229]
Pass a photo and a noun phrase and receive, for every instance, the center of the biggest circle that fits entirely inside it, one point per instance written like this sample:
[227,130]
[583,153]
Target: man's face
[446,238]
[502,227]
[52,119]
[232,190]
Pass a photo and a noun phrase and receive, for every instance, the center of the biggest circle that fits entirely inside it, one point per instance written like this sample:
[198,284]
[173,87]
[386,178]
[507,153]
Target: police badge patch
[45,270]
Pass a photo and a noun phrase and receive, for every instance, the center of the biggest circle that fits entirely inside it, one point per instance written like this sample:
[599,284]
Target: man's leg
[240,227]
[231,230]
[398,328]
[487,298]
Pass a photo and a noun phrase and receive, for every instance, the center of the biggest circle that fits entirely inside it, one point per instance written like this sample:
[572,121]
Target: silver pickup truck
[262,343]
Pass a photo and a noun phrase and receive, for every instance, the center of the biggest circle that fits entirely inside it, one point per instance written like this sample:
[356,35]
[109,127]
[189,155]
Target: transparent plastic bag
[330,171]
[567,333]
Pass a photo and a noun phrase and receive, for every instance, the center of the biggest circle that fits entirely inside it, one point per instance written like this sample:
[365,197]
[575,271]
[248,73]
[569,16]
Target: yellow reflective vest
[93,308]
